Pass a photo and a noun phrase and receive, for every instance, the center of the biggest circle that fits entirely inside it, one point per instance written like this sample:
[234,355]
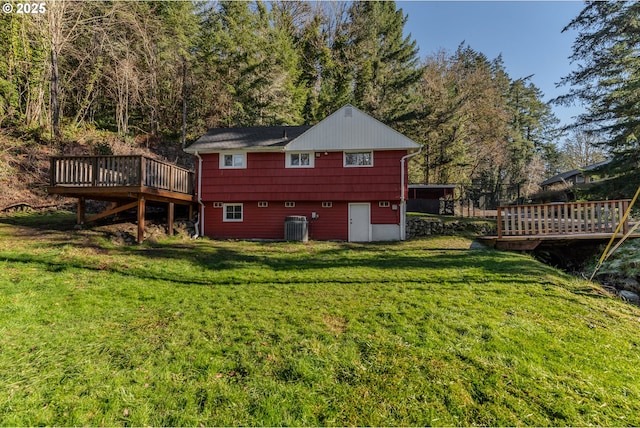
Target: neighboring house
[573,177]
[347,175]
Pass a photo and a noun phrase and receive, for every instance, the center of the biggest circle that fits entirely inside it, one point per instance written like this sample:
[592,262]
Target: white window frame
[345,154]
[232,220]
[263,204]
[384,204]
[242,156]
[327,205]
[289,163]
[289,204]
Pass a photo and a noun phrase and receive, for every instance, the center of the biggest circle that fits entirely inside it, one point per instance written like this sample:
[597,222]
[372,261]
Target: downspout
[201,214]
[403,203]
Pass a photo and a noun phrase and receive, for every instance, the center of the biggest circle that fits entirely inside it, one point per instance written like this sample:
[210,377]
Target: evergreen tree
[385,63]
[607,81]
[478,126]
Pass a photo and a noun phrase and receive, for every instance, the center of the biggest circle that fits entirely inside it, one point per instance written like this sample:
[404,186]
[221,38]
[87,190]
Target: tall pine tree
[385,62]
[608,82]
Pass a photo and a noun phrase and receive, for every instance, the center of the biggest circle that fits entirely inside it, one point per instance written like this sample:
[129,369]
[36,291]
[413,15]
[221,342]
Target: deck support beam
[113,210]
[81,210]
[141,208]
[170,216]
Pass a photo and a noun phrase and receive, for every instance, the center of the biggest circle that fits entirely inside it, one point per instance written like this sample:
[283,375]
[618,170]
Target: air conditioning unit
[296,228]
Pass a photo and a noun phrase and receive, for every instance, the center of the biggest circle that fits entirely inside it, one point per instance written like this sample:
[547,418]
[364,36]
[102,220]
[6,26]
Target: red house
[347,175]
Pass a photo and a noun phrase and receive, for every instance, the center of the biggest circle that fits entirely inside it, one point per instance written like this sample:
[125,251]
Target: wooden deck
[126,181]
[524,227]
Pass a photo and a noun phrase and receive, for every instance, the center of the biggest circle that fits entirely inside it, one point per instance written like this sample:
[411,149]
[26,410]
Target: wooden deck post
[81,210]
[170,216]
[624,208]
[141,208]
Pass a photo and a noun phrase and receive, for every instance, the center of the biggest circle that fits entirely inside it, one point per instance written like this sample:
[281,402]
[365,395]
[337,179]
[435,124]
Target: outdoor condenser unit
[296,228]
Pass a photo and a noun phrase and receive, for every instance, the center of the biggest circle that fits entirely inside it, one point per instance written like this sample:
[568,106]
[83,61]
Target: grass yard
[426,332]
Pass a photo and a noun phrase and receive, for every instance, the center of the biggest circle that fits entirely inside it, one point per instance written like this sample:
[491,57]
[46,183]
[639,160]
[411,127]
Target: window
[289,204]
[327,204]
[384,204]
[233,160]
[217,205]
[233,212]
[300,160]
[356,159]
[263,204]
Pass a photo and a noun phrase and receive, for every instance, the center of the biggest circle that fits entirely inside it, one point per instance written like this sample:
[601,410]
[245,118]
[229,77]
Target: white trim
[263,204]
[233,155]
[352,152]
[289,204]
[200,222]
[288,163]
[224,213]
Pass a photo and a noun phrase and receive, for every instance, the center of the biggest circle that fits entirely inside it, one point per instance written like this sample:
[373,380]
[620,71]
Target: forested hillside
[108,77]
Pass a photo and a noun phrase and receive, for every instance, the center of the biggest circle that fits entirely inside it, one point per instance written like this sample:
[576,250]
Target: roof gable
[351,129]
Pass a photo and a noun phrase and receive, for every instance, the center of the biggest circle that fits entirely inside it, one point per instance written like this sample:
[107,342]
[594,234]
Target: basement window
[233,212]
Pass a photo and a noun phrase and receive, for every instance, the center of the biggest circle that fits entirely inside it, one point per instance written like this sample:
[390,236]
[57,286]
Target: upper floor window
[358,158]
[300,160]
[233,160]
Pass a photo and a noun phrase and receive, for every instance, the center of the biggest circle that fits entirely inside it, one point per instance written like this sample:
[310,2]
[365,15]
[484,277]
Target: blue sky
[528,34]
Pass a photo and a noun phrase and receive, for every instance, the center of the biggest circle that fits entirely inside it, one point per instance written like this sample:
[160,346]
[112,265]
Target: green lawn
[200,332]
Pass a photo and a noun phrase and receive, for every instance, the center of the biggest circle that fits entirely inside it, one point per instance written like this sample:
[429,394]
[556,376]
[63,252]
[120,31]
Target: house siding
[265,178]
[268,222]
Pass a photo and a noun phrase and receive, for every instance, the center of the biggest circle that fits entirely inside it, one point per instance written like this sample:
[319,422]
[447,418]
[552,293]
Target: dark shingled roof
[563,176]
[242,138]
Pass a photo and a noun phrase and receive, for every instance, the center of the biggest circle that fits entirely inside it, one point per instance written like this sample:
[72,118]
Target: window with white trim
[263,204]
[384,204]
[289,204]
[300,160]
[217,205]
[327,204]
[232,212]
[358,159]
[233,160]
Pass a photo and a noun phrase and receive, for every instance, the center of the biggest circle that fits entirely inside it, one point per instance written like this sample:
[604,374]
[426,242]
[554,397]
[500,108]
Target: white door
[359,222]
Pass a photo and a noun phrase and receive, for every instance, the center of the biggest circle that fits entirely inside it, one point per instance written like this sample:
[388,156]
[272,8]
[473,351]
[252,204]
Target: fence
[561,218]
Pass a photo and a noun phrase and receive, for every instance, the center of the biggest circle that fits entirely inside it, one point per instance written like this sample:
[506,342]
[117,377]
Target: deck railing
[119,171]
[562,218]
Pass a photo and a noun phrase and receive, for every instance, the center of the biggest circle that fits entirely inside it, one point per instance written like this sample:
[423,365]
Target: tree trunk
[184,103]
[55,93]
